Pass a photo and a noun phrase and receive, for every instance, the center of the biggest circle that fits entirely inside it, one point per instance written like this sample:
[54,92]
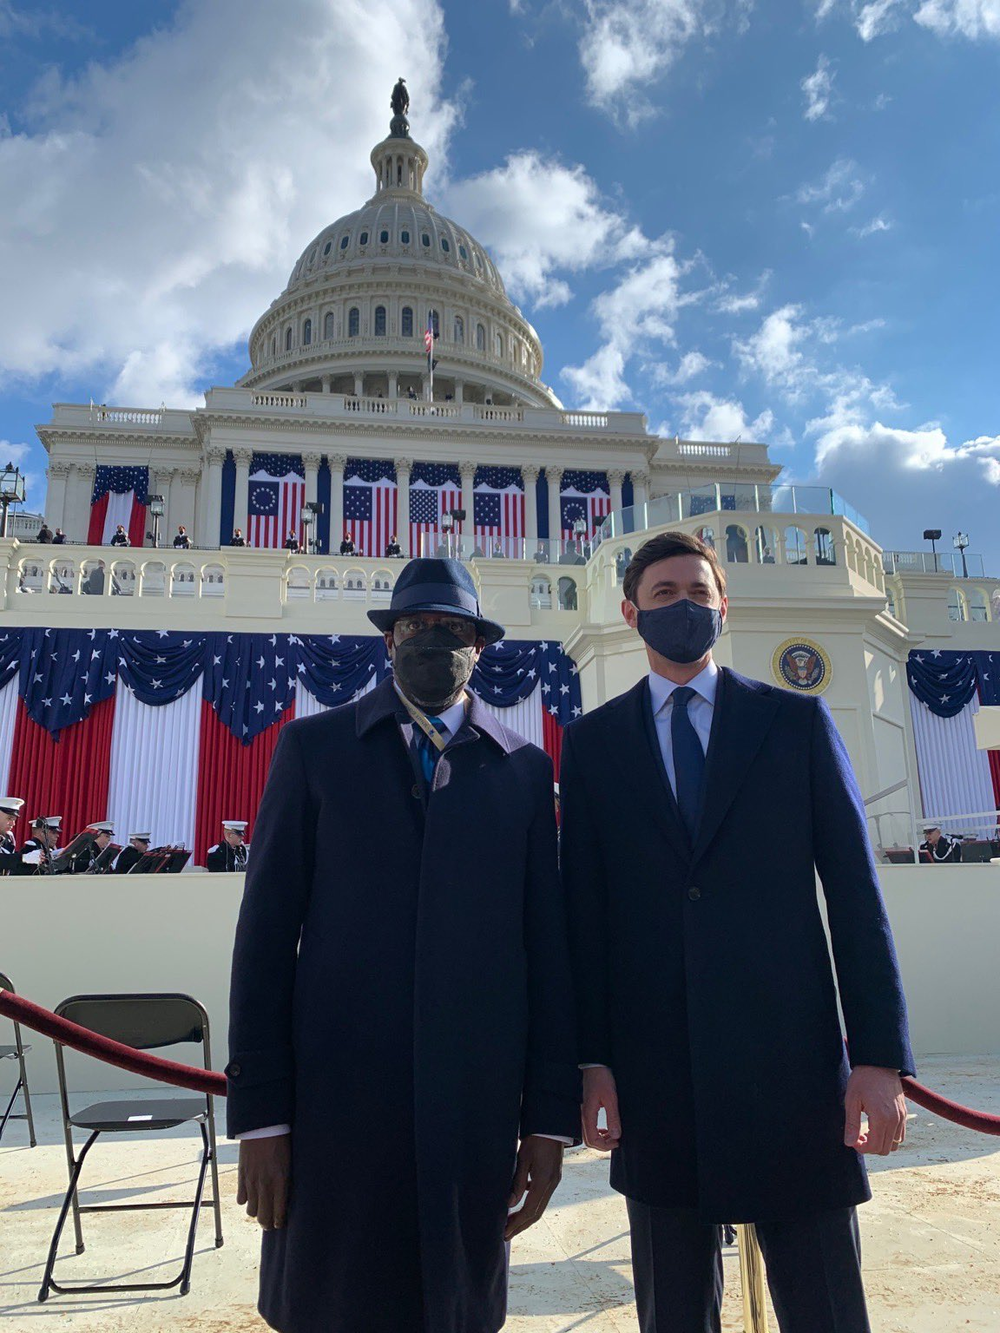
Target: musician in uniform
[10,858]
[86,859]
[231,852]
[138,846]
[940,847]
[37,853]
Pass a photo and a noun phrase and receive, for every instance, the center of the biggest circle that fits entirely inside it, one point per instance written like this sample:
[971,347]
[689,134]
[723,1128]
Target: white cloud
[838,191]
[628,44]
[974,19]
[707,417]
[824,9]
[876,225]
[875,18]
[12,453]
[538,216]
[639,311]
[817,88]
[773,352]
[689,367]
[158,200]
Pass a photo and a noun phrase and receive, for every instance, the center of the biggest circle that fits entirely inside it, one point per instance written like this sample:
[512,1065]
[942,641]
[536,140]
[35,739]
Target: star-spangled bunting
[946,681]
[119,481]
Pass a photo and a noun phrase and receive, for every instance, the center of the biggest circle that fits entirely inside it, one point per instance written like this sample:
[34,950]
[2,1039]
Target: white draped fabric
[154,767]
[8,717]
[954,774]
[306,704]
[525,718]
[119,511]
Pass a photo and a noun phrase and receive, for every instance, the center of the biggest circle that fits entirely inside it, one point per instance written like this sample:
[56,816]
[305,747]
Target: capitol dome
[353,315]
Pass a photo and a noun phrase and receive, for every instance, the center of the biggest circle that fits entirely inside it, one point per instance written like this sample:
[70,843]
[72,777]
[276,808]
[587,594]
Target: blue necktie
[689,759]
[428,751]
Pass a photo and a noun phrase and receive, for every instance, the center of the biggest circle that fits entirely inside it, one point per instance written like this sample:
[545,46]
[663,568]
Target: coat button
[694,894]
[415,791]
[234,1070]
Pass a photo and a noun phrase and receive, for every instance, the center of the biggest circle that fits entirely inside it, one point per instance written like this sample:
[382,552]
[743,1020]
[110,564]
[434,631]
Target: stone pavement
[931,1235]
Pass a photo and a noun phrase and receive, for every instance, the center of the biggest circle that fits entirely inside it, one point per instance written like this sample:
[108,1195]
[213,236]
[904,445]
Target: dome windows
[459,330]
[274,345]
[328,247]
[328,325]
[407,321]
[425,240]
[380,321]
[404,238]
[445,244]
[435,323]
[307,333]
[463,253]
[344,242]
[288,338]
[353,322]
[499,345]
[363,238]
[480,338]
[383,238]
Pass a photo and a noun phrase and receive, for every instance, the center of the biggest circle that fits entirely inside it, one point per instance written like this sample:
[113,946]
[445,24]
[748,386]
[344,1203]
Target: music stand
[82,842]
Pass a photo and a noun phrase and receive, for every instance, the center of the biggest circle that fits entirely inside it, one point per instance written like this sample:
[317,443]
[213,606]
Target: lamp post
[11,492]
[447,527]
[156,512]
[961,543]
[579,534]
[933,535]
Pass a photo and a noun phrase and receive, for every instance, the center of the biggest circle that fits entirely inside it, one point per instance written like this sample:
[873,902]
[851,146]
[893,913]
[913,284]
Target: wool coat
[703,975]
[401,996]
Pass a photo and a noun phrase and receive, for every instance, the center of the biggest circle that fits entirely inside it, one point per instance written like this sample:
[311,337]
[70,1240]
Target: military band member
[231,852]
[37,853]
[84,862]
[10,857]
[138,846]
[941,847]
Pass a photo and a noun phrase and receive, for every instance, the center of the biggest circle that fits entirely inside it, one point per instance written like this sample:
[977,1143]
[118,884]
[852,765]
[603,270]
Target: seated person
[120,537]
[347,546]
[231,852]
[41,846]
[84,860]
[138,846]
[941,847]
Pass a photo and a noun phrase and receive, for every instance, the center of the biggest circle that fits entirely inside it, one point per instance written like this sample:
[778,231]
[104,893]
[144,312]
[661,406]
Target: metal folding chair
[16,1052]
[145,1022]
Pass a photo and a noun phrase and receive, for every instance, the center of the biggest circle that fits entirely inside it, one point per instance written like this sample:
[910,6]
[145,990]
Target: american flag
[499,510]
[584,495]
[276,496]
[370,505]
[435,488]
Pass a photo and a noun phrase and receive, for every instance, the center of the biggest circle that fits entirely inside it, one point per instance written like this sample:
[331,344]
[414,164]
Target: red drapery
[230,776]
[994,758]
[98,515]
[552,734]
[69,776]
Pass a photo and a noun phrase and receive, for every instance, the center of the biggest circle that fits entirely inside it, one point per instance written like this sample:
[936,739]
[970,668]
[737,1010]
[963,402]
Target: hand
[600,1093]
[879,1094]
[539,1170]
[265,1174]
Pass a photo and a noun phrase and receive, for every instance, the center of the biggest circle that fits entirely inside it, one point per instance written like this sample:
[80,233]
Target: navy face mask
[682,631]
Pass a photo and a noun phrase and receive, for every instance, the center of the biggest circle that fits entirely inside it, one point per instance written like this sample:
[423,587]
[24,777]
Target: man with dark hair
[402,1056]
[120,537]
[182,542]
[707,1007]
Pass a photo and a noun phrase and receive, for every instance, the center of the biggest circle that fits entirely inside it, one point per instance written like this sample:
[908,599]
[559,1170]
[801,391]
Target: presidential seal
[801,665]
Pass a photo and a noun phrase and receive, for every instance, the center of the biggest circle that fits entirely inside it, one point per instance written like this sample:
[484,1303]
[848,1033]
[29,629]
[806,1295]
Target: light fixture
[961,543]
[11,492]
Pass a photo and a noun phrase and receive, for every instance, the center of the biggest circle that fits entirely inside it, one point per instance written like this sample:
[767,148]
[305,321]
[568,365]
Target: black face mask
[433,667]
[682,631]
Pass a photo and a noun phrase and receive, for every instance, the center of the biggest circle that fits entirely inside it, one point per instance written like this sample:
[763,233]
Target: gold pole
[752,1280]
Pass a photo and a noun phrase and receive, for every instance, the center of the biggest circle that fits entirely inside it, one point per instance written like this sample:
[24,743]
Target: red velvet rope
[202,1080]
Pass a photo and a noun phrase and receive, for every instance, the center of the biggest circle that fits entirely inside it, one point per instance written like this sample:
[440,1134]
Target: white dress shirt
[701,710]
[451,720]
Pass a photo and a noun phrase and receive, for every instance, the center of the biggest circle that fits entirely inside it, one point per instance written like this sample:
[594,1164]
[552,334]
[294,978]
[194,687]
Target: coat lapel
[632,750]
[743,715]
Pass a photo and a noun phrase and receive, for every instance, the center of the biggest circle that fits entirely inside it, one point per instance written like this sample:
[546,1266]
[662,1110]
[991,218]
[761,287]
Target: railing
[948,563]
[721,497]
[896,835]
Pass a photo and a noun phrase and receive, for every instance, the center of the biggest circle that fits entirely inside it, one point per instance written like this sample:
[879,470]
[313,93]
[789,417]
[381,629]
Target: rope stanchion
[980,1121]
[111,1052]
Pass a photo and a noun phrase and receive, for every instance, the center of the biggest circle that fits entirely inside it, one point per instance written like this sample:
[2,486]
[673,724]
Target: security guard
[231,852]
[10,858]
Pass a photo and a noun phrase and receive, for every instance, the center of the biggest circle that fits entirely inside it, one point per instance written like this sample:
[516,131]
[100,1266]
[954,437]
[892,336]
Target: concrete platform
[931,1235]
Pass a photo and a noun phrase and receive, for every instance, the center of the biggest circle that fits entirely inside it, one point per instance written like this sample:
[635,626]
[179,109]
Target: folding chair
[16,1052]
[146,1022]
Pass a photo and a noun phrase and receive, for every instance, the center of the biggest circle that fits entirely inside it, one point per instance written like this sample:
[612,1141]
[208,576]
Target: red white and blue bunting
[947,689]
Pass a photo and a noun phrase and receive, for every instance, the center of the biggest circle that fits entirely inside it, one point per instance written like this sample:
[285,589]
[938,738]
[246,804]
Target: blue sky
[773,221]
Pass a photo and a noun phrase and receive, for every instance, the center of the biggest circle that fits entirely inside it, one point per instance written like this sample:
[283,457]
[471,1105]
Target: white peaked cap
[101,827]
[11,805]
[142,837]
[238,824]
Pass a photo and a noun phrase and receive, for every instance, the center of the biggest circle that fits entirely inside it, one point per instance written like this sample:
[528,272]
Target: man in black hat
[402,1025]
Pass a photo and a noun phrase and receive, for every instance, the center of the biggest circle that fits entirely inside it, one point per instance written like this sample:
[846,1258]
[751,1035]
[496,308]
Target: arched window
[737,552]
[480,338]
[463,253]
[353,322]
[445,244]
[404,238]
[288,339]
[425,239]
[363,238]
[383,238]
[499,344]
[328,324]
[435,323]
[459,329]
[707,535]
[796,550]
[978,609]
[380,321]
[407,321]
[328,247]
[344,242]
[274,344]
[307,333]
[764,545]
[956,605]
[825,553]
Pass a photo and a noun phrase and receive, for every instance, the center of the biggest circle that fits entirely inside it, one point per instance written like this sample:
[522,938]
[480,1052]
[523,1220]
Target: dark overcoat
[703,974]
[401,996]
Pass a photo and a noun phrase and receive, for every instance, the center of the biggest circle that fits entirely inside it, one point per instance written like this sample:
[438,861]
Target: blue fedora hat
[436,585]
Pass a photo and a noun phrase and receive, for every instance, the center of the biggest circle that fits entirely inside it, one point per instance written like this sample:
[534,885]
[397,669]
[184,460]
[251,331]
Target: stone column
[216,458]
[172,505]
[325,381]
[460,391]
[640,487]
[468,471]
[241,500]
[615,479]
[553,476]
[186,509]
[55,495]
[403,467]
[310,463]
[393,383]
[80,488]
[529,475]
[337,463]
[359,384]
